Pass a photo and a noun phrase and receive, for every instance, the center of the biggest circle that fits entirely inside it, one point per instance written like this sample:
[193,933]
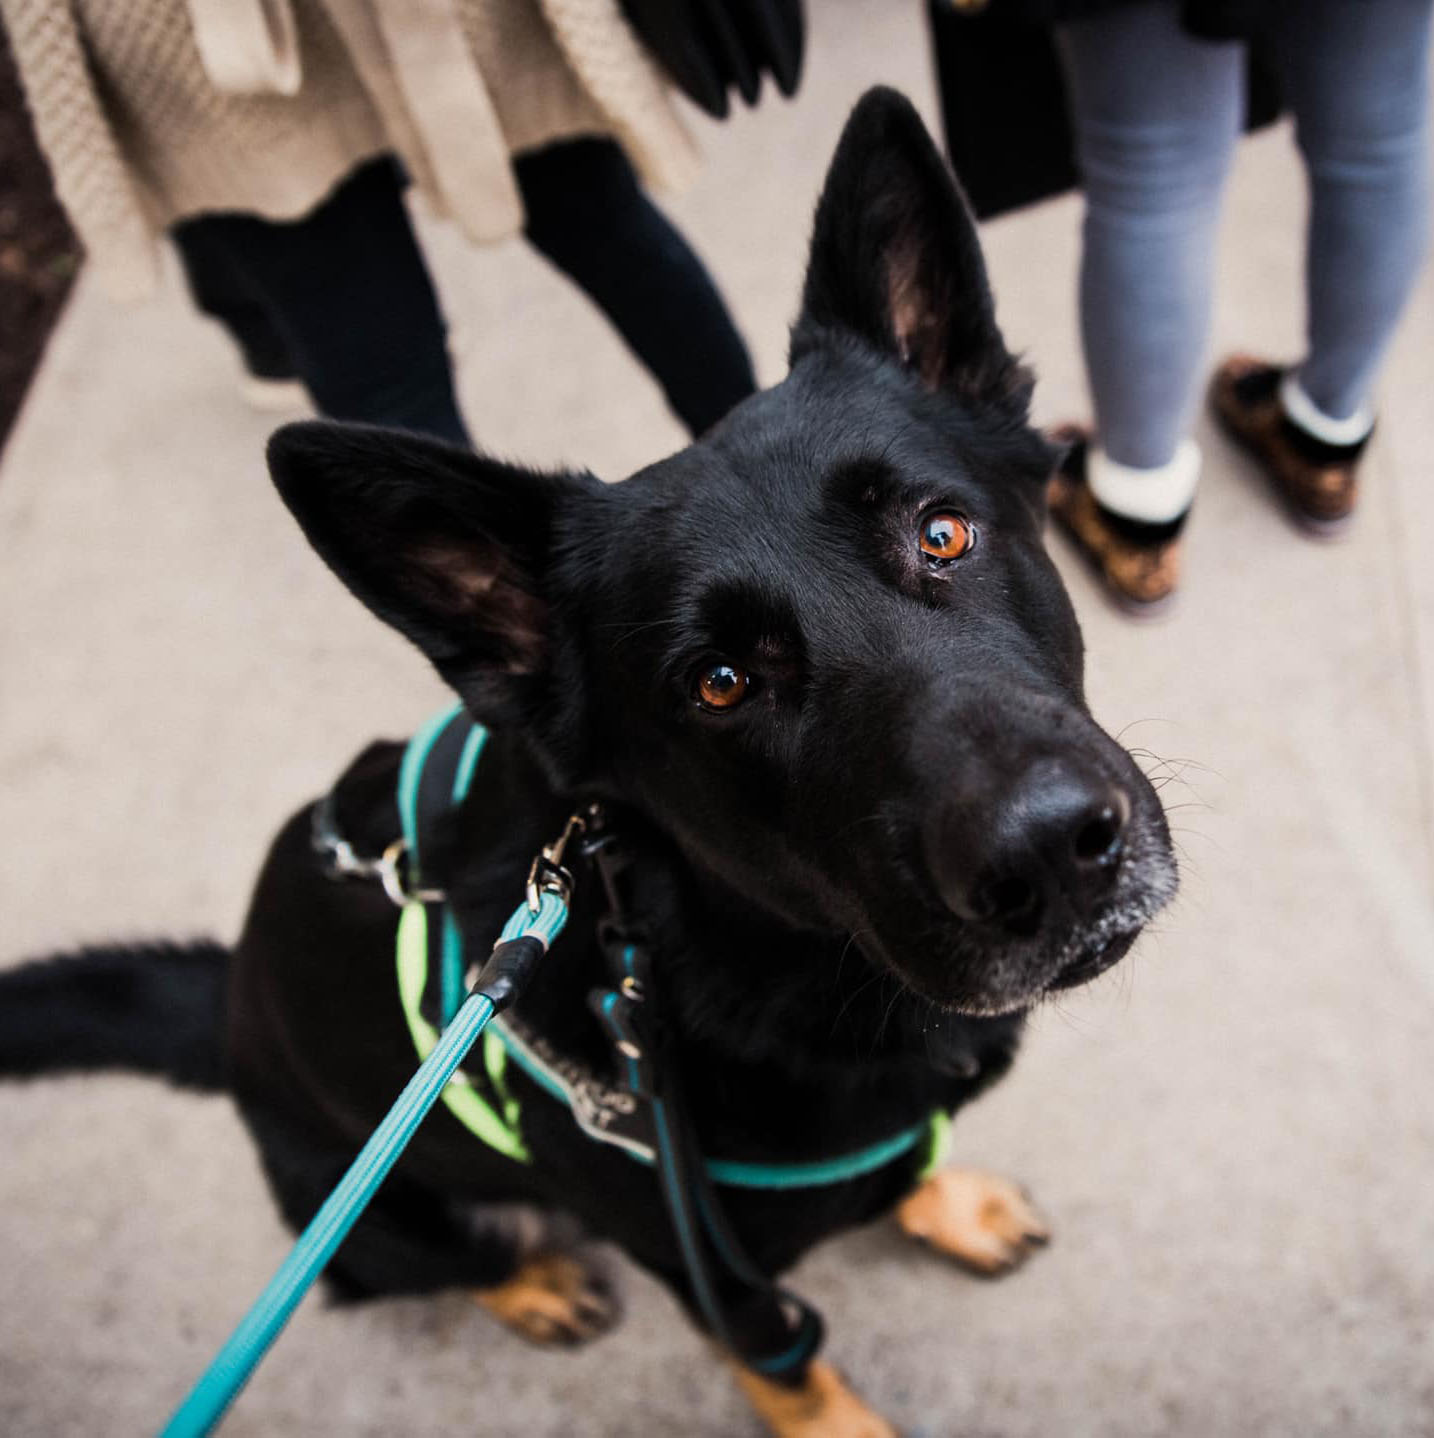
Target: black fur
[856,881]
[153,1008]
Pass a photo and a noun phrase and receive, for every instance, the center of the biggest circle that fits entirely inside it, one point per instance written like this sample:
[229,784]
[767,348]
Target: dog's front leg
[983,1221]
[820,1406]
[552,1299]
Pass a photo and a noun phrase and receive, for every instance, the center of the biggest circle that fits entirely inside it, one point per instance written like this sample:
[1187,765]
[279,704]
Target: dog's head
[823,649]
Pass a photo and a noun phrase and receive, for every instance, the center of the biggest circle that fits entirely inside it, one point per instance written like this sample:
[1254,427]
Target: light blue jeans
[1157,115]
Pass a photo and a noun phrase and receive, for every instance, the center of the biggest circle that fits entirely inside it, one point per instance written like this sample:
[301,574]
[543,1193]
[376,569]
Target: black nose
[1053,838]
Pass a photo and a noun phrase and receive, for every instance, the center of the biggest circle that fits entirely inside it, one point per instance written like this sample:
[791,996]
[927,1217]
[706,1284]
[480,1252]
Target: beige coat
[152,110]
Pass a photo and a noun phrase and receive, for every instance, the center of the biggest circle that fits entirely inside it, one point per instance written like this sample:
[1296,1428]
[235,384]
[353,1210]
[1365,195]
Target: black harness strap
[768,1327]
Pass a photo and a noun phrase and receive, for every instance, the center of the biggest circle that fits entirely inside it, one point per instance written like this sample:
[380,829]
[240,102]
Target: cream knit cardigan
[152,110]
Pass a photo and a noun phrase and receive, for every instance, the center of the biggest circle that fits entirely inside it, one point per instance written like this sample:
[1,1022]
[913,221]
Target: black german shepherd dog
[820,663]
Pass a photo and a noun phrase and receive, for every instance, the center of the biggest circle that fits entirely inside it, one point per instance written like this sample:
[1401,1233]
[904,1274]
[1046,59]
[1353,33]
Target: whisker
[860,989]
[886,1017]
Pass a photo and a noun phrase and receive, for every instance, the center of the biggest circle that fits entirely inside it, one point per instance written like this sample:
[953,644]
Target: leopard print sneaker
[1139,564]
[1317,482]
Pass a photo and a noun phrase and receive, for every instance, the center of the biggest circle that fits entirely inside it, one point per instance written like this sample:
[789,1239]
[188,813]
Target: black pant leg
[350,295]
[587,213]
[220,290]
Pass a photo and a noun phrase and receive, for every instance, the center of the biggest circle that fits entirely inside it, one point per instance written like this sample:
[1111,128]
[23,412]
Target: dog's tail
[148,1008]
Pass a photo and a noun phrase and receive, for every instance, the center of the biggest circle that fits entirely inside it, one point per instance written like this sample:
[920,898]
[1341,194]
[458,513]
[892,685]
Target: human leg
[349,294]
[1357,79]
[1156,113]
[220,291]
[587,213]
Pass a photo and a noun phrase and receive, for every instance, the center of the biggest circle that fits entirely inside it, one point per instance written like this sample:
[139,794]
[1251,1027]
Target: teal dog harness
[454,1009]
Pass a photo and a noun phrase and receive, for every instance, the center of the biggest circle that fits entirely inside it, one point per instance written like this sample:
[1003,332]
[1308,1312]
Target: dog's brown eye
[945,536]
[721,686]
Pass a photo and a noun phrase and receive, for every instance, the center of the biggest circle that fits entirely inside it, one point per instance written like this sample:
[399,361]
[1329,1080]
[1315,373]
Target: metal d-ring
[390,872]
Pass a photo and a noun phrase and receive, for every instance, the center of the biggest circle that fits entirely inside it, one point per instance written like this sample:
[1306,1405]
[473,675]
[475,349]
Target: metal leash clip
[547,874]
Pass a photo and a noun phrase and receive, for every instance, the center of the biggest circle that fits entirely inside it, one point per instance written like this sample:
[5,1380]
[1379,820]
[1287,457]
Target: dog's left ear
[448,546]
[897,261]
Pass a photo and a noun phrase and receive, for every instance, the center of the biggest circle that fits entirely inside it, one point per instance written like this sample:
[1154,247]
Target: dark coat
[1003,89]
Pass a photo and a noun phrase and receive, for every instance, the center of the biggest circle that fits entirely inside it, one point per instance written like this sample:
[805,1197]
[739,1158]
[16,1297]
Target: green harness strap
[499,1131]
[501,1127]
[938,1144]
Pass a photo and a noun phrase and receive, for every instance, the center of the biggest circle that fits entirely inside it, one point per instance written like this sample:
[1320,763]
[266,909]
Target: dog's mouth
[1090,961]
[964,970]
[1014,979]
[1094,961]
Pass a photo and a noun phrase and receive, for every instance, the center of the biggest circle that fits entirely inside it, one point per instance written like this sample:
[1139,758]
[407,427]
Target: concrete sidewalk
[1233,1133]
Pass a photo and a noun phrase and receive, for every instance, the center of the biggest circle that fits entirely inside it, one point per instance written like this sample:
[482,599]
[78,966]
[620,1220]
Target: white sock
[1151,496]
[1304,412]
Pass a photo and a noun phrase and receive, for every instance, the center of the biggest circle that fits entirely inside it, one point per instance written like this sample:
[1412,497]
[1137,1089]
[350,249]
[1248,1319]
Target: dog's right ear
[896,261]
[446,545]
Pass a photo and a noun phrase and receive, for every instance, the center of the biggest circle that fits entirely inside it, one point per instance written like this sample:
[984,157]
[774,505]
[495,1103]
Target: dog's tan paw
[552,1300]
[977,1218]
[823,1407]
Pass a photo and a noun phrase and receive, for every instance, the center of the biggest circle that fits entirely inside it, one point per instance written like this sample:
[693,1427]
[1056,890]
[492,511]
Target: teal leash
[524,940]
[236,1361]
[526,937]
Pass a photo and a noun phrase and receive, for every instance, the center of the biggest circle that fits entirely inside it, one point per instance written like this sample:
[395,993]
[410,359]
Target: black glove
[709,46]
